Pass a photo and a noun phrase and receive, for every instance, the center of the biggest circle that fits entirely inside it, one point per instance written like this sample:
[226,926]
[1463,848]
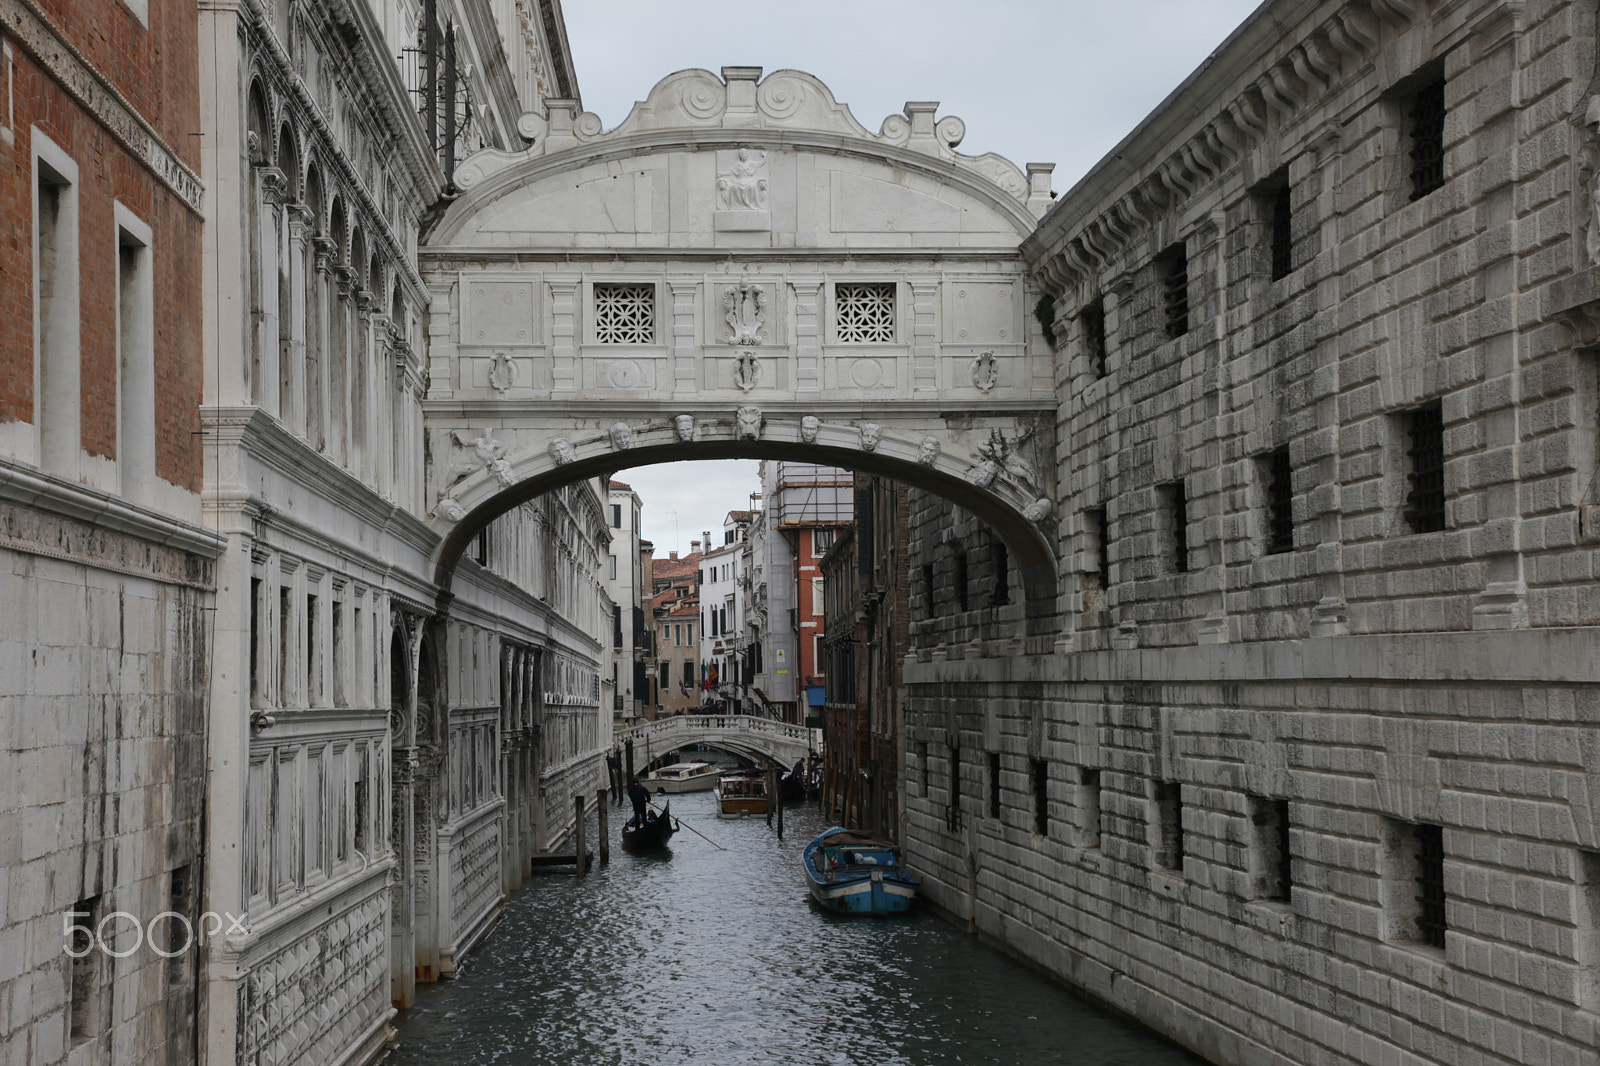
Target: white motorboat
[682,777]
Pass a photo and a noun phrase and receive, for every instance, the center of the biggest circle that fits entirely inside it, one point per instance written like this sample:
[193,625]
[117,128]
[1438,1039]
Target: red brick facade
[155,71]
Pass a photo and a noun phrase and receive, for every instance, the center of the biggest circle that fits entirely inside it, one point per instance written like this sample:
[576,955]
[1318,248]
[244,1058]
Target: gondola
[654,833]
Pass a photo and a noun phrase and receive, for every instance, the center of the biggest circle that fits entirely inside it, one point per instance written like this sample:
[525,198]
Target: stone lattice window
[625,314]
[865,312]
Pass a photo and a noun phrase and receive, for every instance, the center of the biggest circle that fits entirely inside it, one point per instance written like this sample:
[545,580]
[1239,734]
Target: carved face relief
[749,423]
[928,451]
[561,451]
[500,470]
[684,424]
[621,436]
[983,474]
[1038,510]
[871,433]
[810,426]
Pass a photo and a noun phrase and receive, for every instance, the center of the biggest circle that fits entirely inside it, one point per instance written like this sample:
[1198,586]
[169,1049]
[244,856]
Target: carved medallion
[985,372]
[746,307]
[747,371]
[502,372]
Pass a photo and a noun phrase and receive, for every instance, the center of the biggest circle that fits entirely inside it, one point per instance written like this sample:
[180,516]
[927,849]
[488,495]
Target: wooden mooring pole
[776,800]
[772,793]
[605,827]
[579,836]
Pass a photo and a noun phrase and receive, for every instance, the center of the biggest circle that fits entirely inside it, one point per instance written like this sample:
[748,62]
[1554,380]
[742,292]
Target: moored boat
[854,874]
[682,777]
[654,832]
[741,795]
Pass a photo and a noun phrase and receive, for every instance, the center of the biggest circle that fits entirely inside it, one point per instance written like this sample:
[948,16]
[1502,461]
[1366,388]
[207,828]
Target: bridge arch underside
[1004,505]
[759,748]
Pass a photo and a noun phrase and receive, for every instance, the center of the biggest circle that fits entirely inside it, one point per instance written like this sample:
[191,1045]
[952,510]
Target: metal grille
[865,313]
[1169,816]
[1173,267]
[1282,232]
[994,784]
[1094,336]
[1041,796]
[625,314]
[1425,501]
[1427,139]
[1280,502]
[1178,512]
[1430,884]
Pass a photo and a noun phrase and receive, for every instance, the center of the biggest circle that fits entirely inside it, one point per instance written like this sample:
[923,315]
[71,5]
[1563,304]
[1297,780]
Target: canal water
[711,957]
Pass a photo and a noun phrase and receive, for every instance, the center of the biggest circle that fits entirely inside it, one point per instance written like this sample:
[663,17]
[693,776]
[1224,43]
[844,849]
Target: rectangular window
[180,901]
[1100,529]
[1000,559]
[624,314]
[1430,885]
[1089,806]
[57,321]
[1093,320]
[1039,776]
[136,382]
[616,516]
[312,688]
[340,697]
[922,758]
[1275,201]
[285,642]
[1172,271]
[953,814]
[689,633]
[864,313]
[821,541]
[1167,799]
[1425,135]
[994,784]
[316,808]
[1176,505]
[480,547]
[688,673]
[611,568]
[819,601]
[362,806]
[616,625]
[961,580]
[255,642]
[84,919]
[1279,478]
[1425,478]
[1588,923]
[1269,829]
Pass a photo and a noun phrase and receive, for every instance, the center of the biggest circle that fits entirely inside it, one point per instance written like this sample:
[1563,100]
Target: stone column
[265,328]
[292,340]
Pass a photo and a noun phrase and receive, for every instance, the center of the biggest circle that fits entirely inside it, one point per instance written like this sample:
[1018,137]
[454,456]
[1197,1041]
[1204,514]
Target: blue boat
[853,874]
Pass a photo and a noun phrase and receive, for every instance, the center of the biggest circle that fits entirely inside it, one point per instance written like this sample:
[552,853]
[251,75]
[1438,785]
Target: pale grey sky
[1050,81]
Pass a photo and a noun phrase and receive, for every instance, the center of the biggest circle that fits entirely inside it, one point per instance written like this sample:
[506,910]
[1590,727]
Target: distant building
[722,607]
[675,616]
[624,583]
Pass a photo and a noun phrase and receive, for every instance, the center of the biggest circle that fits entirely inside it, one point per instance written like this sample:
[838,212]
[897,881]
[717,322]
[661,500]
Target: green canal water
[712,957]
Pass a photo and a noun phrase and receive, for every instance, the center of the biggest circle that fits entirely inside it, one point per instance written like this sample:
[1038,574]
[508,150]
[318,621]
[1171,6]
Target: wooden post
[772,793]
[776,801]
[605,827]
[580,843]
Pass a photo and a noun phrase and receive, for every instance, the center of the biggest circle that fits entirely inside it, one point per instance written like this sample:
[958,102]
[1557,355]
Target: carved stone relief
[684,425]
[561,451]
[502,372]
[621,436]
[746,314]
[985,372]
[810,426]
[742,183]
[749,421]
[871,433]
[928,451]
[747,371]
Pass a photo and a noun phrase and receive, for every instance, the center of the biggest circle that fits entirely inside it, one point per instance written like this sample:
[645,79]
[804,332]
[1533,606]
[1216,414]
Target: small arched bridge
[738,734]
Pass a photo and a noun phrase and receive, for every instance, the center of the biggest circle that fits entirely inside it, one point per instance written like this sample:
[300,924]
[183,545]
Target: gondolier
[641,800]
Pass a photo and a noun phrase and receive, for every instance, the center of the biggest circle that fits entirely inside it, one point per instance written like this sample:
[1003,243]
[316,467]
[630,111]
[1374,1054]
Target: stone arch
[338,232]
[256,141]
[313,197]
[286,157]
[1026,525]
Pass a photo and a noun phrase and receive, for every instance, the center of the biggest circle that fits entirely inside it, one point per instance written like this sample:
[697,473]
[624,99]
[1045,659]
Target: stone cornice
[577,257]
[38,36]
[1260,78]
[262,437]
[97,529]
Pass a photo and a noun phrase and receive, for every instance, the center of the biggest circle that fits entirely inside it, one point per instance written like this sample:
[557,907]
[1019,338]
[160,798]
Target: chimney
[695,545]
[673,556]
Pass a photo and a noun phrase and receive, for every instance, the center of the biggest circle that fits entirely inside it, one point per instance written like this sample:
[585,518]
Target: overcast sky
[1048,81]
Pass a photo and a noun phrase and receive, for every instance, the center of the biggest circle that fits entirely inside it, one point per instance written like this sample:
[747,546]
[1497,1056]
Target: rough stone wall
[102,742]
[1374,687]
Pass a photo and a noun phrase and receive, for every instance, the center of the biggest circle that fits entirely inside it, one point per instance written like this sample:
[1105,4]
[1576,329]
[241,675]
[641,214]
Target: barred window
[625,314]
[1277,204]
[1429,879]
[1280,501]
[864,312]
[1094,335]
[1177,508]
[1425,116]
[1172,268]
[1425,447]
[1168,810]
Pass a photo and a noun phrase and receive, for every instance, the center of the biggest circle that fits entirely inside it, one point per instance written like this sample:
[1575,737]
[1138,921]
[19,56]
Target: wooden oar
[692,829]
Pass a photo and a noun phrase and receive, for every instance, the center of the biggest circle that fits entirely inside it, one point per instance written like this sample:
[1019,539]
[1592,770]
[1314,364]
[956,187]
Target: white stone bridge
[740,269]
[754,738]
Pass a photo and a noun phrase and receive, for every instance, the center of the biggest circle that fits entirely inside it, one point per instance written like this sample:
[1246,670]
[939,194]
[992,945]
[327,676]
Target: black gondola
[654,833]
